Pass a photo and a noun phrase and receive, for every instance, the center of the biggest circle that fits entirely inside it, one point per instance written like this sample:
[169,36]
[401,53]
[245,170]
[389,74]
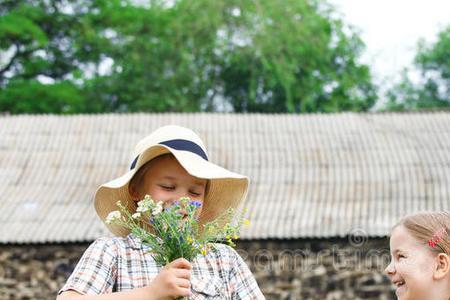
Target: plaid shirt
[120,264]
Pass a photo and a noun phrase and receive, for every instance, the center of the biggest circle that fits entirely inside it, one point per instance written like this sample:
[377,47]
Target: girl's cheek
[399,265]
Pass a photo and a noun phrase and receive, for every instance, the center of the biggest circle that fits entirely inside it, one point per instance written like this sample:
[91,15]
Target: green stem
[174,233]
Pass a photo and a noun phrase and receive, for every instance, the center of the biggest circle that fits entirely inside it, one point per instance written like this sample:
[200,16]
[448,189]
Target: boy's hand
[173,281]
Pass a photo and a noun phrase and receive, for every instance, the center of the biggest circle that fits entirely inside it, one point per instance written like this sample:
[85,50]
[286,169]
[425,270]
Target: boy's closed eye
[172,188]
[167,187]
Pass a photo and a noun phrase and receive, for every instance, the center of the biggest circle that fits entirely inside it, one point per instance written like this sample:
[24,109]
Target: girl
[420,262]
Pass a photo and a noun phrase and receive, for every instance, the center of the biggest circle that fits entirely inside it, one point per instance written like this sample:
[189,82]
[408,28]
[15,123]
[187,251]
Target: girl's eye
[194,193]
[401,256]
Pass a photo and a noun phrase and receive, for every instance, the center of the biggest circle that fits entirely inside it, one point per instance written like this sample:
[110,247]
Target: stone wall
[287,269]
[320,269]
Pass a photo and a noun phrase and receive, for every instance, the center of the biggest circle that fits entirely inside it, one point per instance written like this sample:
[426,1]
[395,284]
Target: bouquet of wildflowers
[174,231]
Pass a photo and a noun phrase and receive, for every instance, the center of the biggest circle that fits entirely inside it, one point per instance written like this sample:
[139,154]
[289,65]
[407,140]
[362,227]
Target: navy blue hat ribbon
[179,144]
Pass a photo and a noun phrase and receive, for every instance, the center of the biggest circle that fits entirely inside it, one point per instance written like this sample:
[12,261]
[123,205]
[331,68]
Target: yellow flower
[204,251]
[184,200]
[189,239]
[235,237]
[246,222]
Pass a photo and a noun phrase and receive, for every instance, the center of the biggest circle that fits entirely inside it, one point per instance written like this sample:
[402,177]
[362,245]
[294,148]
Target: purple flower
[195,203]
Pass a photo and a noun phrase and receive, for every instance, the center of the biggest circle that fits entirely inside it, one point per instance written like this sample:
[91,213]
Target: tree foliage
[63,56]
[433,90]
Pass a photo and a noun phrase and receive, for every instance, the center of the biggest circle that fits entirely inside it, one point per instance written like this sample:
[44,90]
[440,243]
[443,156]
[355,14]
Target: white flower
[113,216]
[145,205]
[142,209]
[158,208]
[136,215]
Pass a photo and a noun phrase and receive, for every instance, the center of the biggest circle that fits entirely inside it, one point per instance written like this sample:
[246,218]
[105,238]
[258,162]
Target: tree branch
[17,55]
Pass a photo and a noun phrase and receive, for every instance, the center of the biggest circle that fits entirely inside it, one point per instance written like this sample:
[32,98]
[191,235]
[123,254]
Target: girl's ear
[442,266]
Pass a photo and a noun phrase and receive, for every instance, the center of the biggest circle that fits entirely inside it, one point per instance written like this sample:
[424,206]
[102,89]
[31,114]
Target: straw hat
[226,189]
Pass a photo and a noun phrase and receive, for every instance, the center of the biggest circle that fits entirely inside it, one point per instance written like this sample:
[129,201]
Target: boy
[168,164]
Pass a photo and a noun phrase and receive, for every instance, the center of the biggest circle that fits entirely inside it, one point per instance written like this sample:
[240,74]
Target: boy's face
[167,181]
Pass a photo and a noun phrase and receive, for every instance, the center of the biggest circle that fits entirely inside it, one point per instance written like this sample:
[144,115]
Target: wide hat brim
[226,189]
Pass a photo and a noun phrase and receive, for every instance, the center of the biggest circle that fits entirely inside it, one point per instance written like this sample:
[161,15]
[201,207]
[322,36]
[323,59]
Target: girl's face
[411,267]
[167,181]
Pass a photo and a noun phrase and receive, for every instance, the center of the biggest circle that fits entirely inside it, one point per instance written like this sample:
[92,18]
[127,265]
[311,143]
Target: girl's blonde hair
[425,226]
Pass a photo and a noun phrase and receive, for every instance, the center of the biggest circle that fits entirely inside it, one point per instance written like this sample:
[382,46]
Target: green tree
[190,55]
[433,90]
[295,57]
[36,45]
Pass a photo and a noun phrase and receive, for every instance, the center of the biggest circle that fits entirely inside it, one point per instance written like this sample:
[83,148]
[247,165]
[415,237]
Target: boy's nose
[170,202]
[180,194]
[174,198]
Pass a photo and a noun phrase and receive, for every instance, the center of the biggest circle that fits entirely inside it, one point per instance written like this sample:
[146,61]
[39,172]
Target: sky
[391,30]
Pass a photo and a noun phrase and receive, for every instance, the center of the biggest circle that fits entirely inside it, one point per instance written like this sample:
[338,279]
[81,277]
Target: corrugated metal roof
[311,175]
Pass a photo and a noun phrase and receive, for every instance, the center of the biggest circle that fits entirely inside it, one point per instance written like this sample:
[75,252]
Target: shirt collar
[136,242]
